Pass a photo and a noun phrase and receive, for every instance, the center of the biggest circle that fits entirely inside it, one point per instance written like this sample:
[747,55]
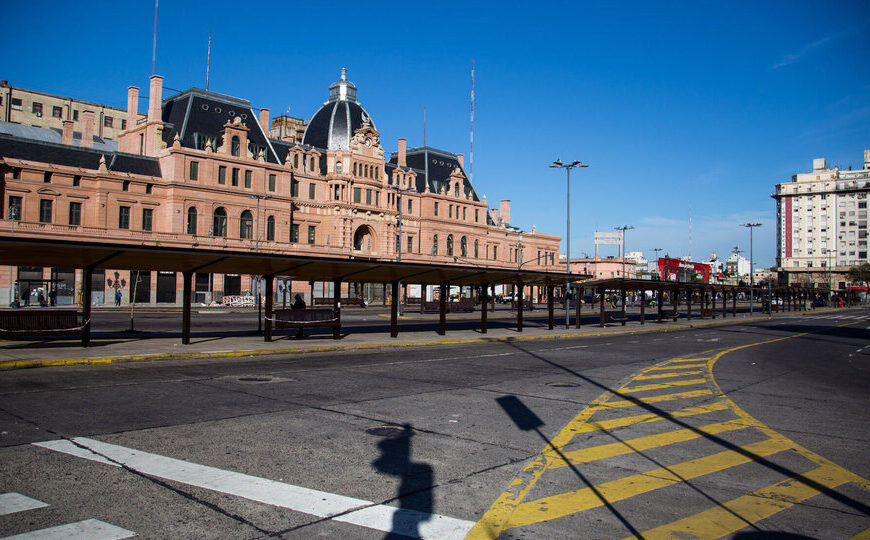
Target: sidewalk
[29,354]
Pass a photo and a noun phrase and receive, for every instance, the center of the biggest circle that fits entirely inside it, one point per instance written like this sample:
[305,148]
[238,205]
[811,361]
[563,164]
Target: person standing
[118,297]
[26,295]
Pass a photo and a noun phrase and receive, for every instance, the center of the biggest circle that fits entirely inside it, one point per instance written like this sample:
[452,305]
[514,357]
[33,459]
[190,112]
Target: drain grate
[388,431]
[563,384]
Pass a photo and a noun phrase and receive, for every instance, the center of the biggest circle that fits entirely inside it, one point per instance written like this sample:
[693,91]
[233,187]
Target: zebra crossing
[12,503]
[841,317]
[674,417]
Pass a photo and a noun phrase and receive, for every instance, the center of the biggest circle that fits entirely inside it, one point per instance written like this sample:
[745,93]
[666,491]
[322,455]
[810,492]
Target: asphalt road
[734,430]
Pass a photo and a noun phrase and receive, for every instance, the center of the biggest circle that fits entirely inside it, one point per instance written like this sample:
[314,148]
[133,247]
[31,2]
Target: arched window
[476,250]
[338,167]
[449,245]
[270,228]
[246,225]
[435,245]
[366,169]
[235,145]
[191,220]
[295,161]
[219,224]
[463,247]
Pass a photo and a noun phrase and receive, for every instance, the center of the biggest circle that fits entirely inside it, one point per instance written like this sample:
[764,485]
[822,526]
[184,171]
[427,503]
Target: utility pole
[257,250]
[751,226]
[559,165]
[622,230]
[656,251]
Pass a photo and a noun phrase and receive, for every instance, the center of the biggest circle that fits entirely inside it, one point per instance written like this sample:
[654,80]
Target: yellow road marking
[666,375]
[681,360]
[651,417]
[565,504]
[655,399]
[594,453]
[736,514]
[682,366]
[659,386]
[863,535]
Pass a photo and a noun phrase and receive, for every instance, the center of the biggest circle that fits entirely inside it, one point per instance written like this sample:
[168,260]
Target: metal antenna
[154,46]
[471,153]
[424,126]
[208,61]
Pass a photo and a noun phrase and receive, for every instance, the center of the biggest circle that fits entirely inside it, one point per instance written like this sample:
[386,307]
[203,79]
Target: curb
[73,361]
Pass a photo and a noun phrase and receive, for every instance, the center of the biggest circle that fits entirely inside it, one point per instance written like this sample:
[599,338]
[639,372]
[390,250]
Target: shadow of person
[415,486]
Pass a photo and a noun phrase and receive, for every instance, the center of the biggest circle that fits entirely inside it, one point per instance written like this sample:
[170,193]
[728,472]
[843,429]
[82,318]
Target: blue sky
[680,108]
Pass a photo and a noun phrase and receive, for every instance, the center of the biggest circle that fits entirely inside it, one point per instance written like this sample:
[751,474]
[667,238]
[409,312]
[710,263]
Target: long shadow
[839,497]
[415,484]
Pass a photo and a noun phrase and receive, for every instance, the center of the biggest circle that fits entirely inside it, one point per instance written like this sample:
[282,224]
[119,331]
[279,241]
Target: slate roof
[433,167]
[53,135]
[332,126]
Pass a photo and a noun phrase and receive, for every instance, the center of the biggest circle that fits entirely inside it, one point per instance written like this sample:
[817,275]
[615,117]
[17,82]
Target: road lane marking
[655,399]
[682,366]
[308,501]
[659,386]
[667,375]
[11,503]
[645,418]
[731,516]
[91,529]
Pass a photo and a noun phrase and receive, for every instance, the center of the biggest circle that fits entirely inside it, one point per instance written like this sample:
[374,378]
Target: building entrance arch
[364,239]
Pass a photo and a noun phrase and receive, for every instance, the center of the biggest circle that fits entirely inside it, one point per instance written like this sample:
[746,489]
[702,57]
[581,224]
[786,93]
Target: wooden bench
[670,314]
[528,305]
[464,304]
[41,322]
[615,317]
[308,318]
[347,301]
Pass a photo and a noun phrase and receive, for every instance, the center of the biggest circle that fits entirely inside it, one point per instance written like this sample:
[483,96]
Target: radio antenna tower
[154,45]
[471,154]
[208,62]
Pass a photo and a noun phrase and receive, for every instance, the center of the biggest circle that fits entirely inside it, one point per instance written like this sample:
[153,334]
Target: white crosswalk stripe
[11,503]
[91,529]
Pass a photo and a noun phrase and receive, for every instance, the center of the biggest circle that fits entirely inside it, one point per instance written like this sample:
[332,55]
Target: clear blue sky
[680,108]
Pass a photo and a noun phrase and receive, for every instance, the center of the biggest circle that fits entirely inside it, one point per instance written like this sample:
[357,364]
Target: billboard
[683,271]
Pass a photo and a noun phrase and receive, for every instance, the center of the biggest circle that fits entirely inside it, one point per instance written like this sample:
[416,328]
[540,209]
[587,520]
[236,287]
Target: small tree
[859,273]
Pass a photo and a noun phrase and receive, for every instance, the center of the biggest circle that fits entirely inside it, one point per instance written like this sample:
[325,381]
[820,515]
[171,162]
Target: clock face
[368,142]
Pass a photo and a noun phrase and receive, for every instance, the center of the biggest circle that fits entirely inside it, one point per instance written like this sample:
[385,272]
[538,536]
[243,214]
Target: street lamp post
[656,250]
[567,166]
[257,250]
[623,229]
[399,191]
[751,226]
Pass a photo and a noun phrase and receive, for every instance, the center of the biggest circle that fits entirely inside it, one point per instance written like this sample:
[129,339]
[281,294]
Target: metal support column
[519,307]
[622,300]
[267,326]
[688,304]
[484,299]
[187,292]
[549,307]
[659,304]
[601,307]
[336,307]
[642,306]
[394,310]
[580,292]
[87,292]
[442,309]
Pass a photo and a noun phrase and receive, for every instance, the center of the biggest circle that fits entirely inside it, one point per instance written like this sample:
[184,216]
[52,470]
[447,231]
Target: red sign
[683,271]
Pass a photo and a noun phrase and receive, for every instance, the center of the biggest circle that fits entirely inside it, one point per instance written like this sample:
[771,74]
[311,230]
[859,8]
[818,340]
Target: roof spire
[344,74]
[342,89]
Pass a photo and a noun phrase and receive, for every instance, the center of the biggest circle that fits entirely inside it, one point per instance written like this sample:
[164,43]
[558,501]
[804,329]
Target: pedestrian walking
[117,297]
[52,297]
[26,295]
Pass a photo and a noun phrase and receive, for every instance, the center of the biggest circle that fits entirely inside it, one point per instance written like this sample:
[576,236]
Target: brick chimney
[505,211]
[403,146]
[866,159]
[132,106]
[155,98]
[87,129]
[67,137]
[493,214]
[264,120]
[461,159]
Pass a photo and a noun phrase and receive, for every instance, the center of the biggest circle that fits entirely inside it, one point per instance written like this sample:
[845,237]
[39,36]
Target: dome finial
[344,74]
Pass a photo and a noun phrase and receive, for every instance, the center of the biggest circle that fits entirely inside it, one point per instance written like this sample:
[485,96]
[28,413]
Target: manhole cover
[563,384]
[255,379]
[388,431]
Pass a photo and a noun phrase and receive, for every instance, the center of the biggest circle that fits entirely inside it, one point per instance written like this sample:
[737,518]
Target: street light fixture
[257,250]
[567,166]
[623,229]
[399,192]
[656,250]
[751,226]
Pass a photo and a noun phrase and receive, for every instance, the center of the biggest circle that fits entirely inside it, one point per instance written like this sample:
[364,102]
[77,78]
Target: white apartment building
[822,223]
[737,265]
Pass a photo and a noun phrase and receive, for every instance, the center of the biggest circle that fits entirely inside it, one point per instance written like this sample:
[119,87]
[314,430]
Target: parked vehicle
[820,302]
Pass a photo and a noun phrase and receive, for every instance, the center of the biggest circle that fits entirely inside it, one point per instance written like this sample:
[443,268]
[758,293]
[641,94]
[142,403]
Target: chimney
[264,120]
[461,159]
[403,145]
[155,98]
[505,211]
[819,164]
[866,159]
[132,106]
[67,137]
[493,214]
[87,129]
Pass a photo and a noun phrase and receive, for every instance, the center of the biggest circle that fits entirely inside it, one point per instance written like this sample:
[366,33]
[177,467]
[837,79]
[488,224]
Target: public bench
[41,322]
[670,314]
[706,313]
[346,301]
[308,318]
[463,304]
[528,305]
[615,317]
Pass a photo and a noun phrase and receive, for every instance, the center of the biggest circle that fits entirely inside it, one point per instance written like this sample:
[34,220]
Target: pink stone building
[202,169]
[603,267]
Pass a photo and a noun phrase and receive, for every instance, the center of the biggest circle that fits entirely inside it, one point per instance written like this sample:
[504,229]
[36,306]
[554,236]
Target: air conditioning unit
[39,114]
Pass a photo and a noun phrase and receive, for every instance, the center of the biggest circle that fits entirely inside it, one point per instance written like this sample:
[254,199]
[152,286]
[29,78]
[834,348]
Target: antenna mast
[154,46]
[471,154]
[424,126]
[208,61]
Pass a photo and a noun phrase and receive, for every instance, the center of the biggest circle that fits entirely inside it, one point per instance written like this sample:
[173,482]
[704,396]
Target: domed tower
[333,125]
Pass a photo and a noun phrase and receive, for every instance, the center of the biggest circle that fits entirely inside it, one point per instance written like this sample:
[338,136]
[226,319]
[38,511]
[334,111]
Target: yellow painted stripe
[604,451]
[736,514]
[651,417]
[659,386]
[565,504]
[681,360]
[681,366]
[666,375]
[863,535]
[656,399]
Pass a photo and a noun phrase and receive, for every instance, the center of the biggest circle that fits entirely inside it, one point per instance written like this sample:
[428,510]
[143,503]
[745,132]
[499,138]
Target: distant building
[737,265]
[602,267]
[822,224]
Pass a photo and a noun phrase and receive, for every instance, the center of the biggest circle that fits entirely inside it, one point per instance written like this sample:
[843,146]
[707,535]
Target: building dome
[332,126]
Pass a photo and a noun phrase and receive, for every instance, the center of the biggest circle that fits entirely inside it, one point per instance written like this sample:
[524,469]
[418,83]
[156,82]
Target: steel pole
[568,249]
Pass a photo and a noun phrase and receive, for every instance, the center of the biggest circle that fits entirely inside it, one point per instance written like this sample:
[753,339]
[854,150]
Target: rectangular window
[357,194]
[14,210]
[149,188]
[123,124]
[463,213]
[37,108]
[436,208]
[294,233]
[410,244]
[75,213]
[337,193]
[311,191]
[248,175]
[377,198]
[271,182]
[46,177]
[77,180]
[235,176]
[125,185]
[57,112]
[15,103]
[45,210]
[495,252]
[222,175]
[368,196]
[476,215]
[410,206]
[311,230]
[124,217]
[294,188]
[75,116]
[147,217]
[450,211]
[107,121]
[194,170]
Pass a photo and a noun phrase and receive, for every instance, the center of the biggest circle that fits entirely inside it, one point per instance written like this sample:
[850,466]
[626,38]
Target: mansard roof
[433,168]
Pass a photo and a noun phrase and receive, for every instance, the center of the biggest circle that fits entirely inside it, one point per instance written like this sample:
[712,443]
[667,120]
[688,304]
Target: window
[75,115]
[194,170]
[436,208]
[147,218]
[45,210]
[222,175]
[57,112]
[248,175]
[16,173]
[368,196]
[271,182]
[463,213]
[312,164]
[476,250]
[124,217]
[123,124]
[311,191]
[46,177]
[354,169]
[219,224]
[149,188]
[311,229]
[37,108]
[450,210]
[463,247]
[294,233]
[235,145]
[14,210]
[410,244]
[449,245]
[75,213]
[125,186]
[435,245]
[77,180]
[476,215]
[107,121]
[246,225]
[15,103]
[495,253]
[191,220]
[270,228]
[357,195]
[235,177]
[456,190]
[337,192]
[398,243]
[294,188]
[338,167]
[295,161]
[410,206]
